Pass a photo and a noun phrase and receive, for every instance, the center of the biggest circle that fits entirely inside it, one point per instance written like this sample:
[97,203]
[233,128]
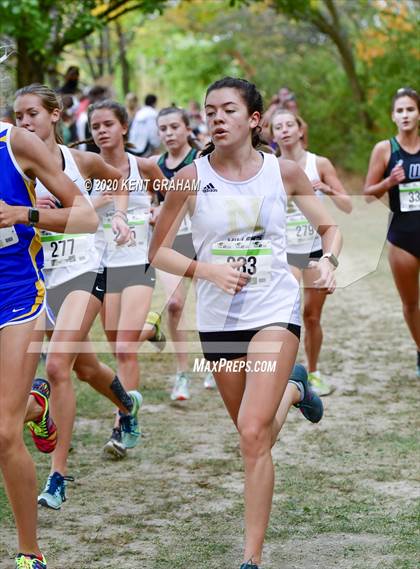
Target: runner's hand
[154,214]
[10,214]
[326,281]
[46,203]
[321,187]
[229,276]
[397,175]
[105,198]
[121,230]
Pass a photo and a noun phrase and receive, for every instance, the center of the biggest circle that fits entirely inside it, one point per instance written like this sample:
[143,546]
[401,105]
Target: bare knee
[255,438]
[311,319]
[126,351]
[175,307]
[86,372]
[57,372]
[10,439]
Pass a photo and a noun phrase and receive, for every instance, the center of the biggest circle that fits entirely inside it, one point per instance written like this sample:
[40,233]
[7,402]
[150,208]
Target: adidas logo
[209,188]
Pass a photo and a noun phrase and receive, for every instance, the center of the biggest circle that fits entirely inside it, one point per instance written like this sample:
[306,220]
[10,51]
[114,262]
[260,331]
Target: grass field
[347,490]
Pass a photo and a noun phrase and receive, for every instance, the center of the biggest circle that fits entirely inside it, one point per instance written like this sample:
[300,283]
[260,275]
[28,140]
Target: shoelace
[55,483]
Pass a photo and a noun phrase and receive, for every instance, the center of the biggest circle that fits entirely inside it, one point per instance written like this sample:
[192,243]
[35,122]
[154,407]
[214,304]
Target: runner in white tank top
[77,300]
[130,280]
[303,242]
[247,298]
[23,157]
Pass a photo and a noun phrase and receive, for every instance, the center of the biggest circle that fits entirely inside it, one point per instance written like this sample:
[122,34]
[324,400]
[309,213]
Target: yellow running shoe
[159,339]
[29,562]
[319,384]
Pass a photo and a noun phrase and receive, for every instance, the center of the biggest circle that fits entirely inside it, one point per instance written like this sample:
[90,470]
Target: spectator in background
[96,93]
[7,115]
[144,133]
[68,123]
[71,82]
[132,106]
[197,123]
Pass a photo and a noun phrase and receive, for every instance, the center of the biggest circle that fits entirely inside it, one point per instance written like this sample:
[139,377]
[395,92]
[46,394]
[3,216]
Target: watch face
[33,215]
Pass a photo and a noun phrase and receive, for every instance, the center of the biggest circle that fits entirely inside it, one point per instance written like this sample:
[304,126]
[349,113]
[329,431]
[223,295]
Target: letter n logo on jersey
[243,213]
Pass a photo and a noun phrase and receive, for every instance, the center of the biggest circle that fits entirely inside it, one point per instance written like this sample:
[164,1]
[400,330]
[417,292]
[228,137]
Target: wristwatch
[332,259]
[33,216]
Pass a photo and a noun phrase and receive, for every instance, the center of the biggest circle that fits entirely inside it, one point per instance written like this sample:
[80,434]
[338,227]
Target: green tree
[42,29]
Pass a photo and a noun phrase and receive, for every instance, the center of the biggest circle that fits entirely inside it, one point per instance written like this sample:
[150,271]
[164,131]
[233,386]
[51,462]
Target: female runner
[248,301]
[75,288]
[303,243]
[23,157]
[394,169]
[130,280]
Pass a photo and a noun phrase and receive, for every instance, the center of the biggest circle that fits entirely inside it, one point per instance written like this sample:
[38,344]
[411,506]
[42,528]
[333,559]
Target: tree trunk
[337,34]
[125,66]
[31,68]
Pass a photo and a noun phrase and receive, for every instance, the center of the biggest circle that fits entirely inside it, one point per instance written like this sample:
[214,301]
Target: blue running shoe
[24,561]
[310,405]
[54,493]
[130,428]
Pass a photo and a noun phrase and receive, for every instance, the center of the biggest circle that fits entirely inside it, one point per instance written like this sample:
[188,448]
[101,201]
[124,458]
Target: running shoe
[54,493]
[159,339]
[249,565]
[180,390]
[43,430]
[310,405]
[319,384]
[114,448]
[29,562]
[209,381]
[130,428]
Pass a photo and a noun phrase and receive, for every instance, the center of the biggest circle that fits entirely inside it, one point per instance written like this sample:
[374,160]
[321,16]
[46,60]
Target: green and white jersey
[246,221]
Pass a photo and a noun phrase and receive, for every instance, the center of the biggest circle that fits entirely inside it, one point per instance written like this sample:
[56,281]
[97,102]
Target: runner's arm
[162,256]
[331,185]
[376,185]
[76,215]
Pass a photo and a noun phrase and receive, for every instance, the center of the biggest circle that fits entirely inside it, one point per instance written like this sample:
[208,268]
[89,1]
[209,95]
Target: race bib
[64,250]
[138,222]
[257,256]
[410,196]
[185,226]
[8,236]
[299,231]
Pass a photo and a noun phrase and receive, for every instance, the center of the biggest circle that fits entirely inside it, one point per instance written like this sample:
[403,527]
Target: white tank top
[244,220]
[135,252]
[67,256]
[302,238]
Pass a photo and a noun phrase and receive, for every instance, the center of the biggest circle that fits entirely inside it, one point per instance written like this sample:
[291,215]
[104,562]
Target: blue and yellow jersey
[22,289]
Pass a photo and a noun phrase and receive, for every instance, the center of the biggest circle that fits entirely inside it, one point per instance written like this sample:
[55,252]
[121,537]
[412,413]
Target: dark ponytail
[251,97]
